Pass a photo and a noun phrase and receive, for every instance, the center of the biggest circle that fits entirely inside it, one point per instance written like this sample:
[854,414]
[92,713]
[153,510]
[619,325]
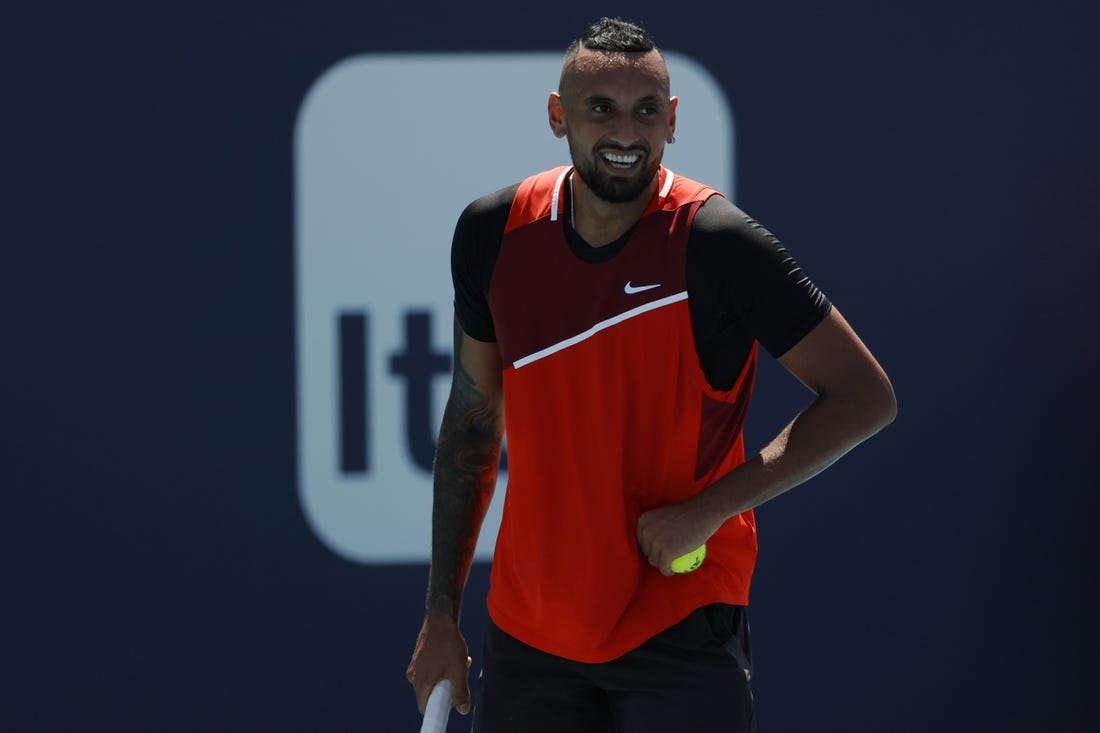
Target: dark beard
[614,189]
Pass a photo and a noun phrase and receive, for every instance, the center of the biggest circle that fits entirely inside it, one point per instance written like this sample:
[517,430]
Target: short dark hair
[612,35]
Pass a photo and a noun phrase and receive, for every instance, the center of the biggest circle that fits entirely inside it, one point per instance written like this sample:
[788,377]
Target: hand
[440,653]
[668,532]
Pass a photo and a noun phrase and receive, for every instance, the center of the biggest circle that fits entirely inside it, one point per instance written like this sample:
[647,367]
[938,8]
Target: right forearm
[466,461]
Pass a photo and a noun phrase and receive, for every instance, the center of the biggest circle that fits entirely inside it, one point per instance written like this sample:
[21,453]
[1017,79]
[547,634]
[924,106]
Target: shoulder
[719,215]
[482,222]
[490,206]
[722,230]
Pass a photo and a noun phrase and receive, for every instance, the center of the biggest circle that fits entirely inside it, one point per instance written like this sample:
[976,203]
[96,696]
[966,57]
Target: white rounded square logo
[389,149]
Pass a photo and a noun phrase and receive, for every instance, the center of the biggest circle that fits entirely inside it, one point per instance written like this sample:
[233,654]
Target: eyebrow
[648,99]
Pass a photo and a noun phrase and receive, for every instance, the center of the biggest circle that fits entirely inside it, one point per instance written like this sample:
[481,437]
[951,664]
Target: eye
[601,108]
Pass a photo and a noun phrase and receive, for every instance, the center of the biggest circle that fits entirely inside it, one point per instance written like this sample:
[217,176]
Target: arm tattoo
[466,459]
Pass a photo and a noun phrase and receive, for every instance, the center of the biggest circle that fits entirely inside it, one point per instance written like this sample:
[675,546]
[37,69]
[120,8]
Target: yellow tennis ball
[690,561]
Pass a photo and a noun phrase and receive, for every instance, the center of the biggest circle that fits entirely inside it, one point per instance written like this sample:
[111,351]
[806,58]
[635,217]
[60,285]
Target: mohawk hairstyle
[612,35]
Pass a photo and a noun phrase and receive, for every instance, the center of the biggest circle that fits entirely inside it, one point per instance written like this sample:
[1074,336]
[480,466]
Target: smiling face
[615,111]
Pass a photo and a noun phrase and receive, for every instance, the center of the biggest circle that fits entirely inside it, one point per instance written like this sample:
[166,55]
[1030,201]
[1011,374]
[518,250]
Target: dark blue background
[934,167]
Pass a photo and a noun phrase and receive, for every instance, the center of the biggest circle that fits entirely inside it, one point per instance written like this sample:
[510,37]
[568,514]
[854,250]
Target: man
[609,313]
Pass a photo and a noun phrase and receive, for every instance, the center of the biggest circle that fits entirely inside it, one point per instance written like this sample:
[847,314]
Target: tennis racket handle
[438,708]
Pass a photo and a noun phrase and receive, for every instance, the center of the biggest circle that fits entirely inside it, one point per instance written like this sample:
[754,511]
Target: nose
[625,132]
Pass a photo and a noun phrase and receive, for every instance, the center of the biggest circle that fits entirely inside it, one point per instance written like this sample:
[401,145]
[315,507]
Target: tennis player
[609,312]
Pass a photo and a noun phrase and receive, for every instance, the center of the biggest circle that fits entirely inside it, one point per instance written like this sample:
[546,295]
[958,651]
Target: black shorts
[690,678]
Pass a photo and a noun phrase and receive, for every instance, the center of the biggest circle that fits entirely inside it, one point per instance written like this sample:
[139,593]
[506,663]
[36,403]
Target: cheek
[580,136]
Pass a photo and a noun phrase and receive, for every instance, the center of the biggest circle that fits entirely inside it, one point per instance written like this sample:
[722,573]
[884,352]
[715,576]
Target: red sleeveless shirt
[607,415]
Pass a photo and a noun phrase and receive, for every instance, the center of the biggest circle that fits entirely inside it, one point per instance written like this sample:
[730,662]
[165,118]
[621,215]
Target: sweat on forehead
[590,63]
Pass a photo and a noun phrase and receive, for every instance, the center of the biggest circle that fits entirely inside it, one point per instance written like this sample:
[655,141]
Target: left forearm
[854,400]
[830,427]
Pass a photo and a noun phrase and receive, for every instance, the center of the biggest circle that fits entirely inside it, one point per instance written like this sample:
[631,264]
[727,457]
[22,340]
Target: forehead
[615,74]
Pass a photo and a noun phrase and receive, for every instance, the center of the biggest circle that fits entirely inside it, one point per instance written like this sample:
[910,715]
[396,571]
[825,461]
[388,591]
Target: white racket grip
[438,708]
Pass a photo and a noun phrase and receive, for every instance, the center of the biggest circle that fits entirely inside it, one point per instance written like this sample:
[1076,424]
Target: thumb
[461,690]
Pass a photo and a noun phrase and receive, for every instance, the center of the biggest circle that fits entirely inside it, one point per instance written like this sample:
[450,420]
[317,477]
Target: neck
[600,222]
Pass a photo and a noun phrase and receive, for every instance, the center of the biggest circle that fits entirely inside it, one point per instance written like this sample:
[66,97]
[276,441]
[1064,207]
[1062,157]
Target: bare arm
[466,460]
[854,400]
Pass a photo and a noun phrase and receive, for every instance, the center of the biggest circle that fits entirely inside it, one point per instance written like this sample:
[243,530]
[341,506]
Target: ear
[556,114]
[672,102]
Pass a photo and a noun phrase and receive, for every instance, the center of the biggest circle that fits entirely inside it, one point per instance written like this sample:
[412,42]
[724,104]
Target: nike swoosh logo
[631,289]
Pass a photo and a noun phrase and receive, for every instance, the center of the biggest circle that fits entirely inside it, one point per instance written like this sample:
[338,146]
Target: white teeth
[620,159]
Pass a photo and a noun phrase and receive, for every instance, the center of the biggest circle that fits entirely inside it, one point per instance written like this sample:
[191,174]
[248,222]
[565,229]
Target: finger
[460,690]
[422,693]
[662,569]
[424,689]
[462,698]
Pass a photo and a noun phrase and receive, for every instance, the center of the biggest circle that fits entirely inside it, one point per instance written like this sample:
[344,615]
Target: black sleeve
[474,251]
[744,285]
